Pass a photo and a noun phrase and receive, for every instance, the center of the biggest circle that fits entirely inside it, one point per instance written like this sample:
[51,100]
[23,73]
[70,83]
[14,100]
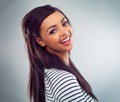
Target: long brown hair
[39,58]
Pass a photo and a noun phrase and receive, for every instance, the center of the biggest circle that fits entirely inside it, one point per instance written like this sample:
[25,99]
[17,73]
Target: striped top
[62,86]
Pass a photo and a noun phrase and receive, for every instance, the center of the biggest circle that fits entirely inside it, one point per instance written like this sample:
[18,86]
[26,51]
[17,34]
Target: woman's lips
[66,41]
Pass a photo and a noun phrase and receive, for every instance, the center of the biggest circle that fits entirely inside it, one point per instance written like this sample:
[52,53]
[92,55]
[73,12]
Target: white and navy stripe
[62,86]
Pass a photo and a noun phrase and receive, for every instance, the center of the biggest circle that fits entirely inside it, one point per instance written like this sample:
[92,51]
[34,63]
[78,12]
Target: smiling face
[56,34]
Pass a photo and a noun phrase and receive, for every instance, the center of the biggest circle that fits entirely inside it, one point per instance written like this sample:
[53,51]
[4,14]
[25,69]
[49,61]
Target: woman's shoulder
[63,86]
[58,82]
[54,73]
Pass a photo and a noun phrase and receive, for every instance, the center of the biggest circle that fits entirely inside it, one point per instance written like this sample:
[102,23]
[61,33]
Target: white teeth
[65,40]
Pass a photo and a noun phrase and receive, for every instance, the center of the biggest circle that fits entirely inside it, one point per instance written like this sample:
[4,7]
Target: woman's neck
[64,57]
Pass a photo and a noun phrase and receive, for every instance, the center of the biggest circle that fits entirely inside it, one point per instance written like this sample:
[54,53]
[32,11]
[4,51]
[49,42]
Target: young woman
[53,76]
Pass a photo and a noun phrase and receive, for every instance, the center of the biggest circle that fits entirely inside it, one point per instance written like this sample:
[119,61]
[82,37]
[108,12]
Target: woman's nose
[64,32]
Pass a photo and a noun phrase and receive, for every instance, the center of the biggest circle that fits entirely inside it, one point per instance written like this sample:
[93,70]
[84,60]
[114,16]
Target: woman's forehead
[53,19]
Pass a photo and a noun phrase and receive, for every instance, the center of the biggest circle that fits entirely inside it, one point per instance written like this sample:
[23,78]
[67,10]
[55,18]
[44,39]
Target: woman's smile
[66,41]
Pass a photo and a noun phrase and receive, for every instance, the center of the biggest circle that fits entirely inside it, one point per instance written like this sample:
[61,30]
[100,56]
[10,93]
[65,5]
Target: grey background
[96,52]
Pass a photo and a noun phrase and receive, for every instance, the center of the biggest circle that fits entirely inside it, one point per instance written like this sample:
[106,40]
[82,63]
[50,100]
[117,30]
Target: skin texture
[56,35]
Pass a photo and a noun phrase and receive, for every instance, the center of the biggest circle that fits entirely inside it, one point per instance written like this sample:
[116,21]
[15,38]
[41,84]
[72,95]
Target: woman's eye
[52,31]
[65,23]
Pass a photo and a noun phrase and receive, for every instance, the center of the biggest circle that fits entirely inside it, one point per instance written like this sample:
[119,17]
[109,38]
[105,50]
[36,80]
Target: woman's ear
[40,42]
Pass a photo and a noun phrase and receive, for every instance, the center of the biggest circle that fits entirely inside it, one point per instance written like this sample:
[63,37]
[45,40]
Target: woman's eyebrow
[63,19]
[53,26]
